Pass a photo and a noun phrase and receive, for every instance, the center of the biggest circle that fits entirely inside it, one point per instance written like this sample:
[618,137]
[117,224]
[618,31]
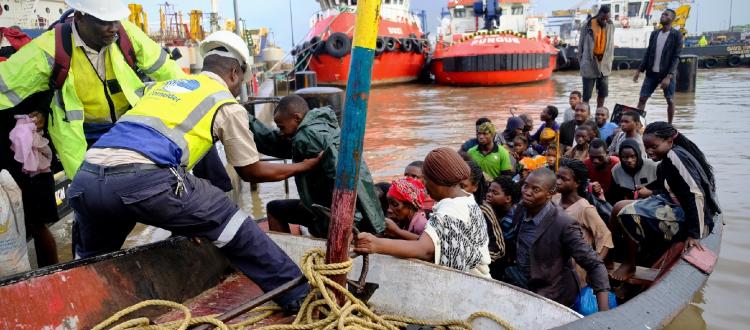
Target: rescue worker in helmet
[84,83]
[138,170]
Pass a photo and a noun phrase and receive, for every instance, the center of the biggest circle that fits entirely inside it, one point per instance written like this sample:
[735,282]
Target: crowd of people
[528,209]
[547,211]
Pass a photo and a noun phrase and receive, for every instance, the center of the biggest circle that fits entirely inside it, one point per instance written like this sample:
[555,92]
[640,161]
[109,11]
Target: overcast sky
[709,15]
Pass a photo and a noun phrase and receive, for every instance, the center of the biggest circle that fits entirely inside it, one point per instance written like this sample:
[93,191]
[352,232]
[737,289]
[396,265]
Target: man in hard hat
[90,65]
[138,170]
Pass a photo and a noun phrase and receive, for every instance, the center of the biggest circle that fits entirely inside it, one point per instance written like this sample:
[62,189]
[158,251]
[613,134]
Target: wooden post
[352,134]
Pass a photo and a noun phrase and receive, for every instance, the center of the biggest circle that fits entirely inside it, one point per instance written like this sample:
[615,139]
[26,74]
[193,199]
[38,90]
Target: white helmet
[112,10]
[233,43]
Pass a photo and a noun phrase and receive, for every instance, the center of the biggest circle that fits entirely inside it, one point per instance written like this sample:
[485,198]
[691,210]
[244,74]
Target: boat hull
[489,58]
[80,294]
[389,67]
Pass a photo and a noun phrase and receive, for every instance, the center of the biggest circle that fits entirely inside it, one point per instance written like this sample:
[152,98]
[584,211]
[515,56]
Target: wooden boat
[79,294]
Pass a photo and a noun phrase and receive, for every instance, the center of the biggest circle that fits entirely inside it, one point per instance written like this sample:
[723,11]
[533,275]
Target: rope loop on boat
[318,311]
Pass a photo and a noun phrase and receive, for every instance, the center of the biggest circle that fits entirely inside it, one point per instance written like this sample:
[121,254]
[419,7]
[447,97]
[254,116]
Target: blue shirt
[607,130]
[526,235]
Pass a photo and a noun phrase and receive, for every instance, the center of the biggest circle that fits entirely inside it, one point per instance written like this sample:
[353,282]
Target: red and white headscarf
[408,190]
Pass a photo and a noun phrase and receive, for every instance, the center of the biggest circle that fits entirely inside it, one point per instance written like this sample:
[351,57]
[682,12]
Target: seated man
[305,133]
[470,143]
[568,129]
[546,243]
[606,127]
[491,157]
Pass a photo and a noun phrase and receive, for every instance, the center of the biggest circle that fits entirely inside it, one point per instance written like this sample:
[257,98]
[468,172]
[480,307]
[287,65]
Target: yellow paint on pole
[366,28]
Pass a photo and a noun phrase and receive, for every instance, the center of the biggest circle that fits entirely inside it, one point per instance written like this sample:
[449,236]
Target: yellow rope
[319,309]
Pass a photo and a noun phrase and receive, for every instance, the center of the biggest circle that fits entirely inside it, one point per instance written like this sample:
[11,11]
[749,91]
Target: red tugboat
[401,47]
[486,43]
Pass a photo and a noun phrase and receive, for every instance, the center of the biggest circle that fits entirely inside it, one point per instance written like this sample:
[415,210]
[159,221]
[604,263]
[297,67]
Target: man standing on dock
[139,170]
[660,62]
[596,52]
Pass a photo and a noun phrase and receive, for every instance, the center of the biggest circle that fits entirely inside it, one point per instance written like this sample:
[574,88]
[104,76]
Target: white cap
[236,49]
[109,11]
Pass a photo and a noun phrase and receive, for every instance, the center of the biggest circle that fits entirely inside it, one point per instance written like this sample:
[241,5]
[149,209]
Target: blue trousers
[108,202]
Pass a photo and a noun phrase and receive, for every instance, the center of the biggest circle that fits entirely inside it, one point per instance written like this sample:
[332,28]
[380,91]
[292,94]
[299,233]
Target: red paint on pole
[340,232]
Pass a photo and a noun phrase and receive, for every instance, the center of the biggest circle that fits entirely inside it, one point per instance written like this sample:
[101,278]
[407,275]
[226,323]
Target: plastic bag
[14,254]
[586,303]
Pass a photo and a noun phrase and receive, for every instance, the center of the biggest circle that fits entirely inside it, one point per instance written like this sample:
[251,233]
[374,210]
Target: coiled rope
[318,311]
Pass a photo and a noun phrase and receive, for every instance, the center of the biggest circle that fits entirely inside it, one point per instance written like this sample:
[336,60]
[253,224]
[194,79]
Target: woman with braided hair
[572,185]
[475,184]
[683,202]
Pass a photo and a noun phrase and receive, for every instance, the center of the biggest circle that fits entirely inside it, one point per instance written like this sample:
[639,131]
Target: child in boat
[573,100]
[546,243]
[548,116]
[502,196]
[456,233]
[581,150]
[682,205]
[630,122]
[475,184]
[633,175]
[551,155]
[405,218]
[572,182]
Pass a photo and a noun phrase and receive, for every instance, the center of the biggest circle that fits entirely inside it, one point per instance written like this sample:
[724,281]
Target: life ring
[625,22]
[623,66]
[338,45]
[379,46]
[710,62]
[390,44]
[734,61]
[406,45]
[317,45]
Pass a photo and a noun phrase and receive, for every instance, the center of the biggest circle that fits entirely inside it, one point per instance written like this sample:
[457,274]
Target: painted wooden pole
[352,133]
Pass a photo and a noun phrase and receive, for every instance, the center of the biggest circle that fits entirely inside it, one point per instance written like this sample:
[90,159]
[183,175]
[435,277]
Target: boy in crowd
[573,100]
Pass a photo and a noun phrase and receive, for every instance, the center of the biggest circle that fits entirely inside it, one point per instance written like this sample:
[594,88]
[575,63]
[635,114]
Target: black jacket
[557,243]
[670,56]
[568,132]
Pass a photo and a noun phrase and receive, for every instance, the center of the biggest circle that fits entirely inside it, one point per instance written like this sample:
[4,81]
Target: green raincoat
[319,131]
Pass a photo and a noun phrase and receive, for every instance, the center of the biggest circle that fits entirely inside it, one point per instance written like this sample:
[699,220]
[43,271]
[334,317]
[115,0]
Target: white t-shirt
[459,232]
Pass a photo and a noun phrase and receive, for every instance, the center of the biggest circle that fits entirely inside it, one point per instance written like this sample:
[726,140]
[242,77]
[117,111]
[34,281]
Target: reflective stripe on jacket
[29,70]
[172,123]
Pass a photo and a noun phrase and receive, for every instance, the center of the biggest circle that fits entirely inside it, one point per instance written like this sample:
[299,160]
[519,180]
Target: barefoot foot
[623,273]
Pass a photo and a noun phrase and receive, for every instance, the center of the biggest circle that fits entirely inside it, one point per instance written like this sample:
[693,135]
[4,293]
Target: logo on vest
[181,86]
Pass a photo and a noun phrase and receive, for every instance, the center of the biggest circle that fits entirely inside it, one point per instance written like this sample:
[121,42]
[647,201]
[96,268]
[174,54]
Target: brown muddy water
[407,121]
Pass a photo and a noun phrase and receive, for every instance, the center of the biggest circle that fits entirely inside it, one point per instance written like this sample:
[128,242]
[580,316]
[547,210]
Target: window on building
[459,12]
[517,10]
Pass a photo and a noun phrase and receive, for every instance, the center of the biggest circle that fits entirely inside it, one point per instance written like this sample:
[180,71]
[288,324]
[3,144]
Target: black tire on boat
[623,66]
[734,61]
[391,44]
[418,46]
[710,63]
[317,45]
[295,51]
[406,45]
[379,46]
[338,45]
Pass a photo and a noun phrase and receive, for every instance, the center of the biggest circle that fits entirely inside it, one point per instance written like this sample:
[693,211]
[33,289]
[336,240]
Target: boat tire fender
[379,46]
[734,61]
[418,46]
[317,45]
[710,62]
[338,45]
[623,66]
[391,44]
[406,45]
